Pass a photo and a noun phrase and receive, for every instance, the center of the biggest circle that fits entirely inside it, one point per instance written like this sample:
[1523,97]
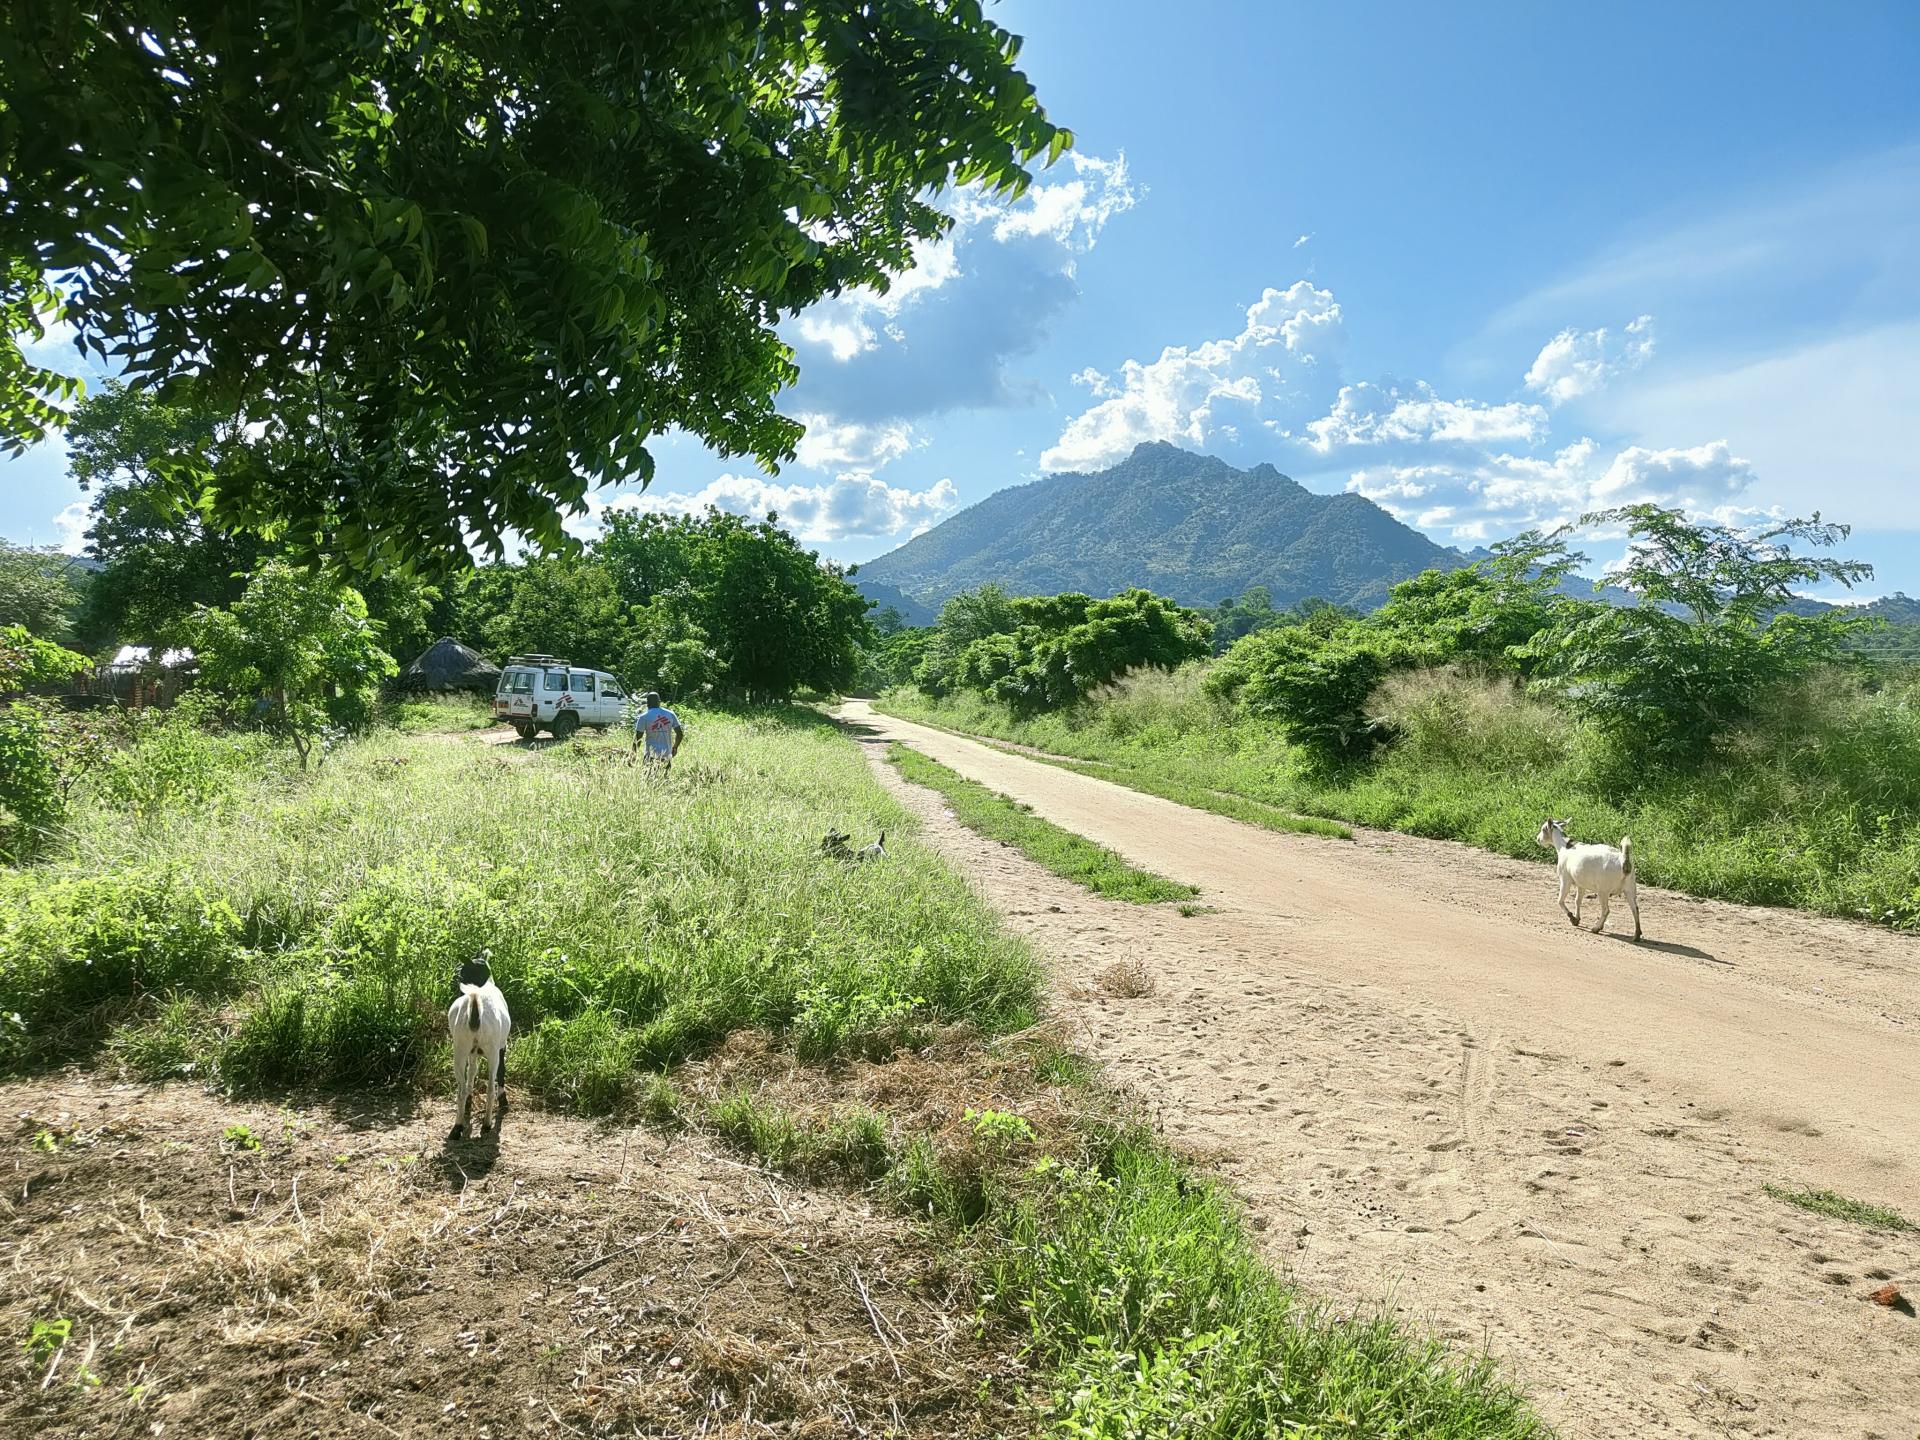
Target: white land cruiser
[538,692]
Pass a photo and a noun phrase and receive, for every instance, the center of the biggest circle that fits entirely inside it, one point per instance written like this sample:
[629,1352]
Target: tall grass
[632,922]
[1815,803]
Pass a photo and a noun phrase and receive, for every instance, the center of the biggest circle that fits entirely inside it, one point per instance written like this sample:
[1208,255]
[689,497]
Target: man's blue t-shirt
[657,725]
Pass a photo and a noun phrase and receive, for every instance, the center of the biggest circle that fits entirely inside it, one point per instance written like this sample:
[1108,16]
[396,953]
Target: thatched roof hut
[448,665]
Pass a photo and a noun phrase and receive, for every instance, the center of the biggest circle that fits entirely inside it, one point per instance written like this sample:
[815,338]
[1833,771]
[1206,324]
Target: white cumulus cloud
[852,506]
[73,523]
[942,335]
[1579,362]
[1191,394]
[1495,495]
[1365,414]
[831,444]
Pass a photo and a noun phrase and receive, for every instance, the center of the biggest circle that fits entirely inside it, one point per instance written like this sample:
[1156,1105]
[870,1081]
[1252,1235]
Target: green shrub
[585,1065]
[174,759]
[70,945]
[1315,685]
[181,1040]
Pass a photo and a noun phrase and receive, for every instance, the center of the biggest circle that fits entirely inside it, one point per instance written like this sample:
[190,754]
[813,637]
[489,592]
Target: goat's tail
[1626,855]
[472,995]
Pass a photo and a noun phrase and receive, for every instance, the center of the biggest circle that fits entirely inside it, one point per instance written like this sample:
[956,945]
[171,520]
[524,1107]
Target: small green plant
[762,1130]
[856,1143]
[662,1104]
[1057,1065]
[46,1140]
[45,1337]
[240,1137]
[1001,1128]
[1841,1207]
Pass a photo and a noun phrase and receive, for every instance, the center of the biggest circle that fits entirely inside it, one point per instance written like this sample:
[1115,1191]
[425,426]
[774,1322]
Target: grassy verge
[300,930]
[1061,851]
[1143,1302]
[1840,1207]
[979,722]
[1816,805]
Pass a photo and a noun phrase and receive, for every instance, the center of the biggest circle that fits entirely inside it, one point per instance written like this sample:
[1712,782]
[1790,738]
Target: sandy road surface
[1436,1093]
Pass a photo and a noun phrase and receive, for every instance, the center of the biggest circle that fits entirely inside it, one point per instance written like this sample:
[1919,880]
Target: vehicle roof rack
[536,660]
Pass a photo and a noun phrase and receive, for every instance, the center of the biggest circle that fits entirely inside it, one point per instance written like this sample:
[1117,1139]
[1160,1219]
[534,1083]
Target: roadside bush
[69,946]
[1316,686]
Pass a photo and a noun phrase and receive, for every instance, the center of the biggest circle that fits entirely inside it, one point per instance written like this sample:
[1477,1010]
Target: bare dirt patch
[1436,1096]
[335,1270]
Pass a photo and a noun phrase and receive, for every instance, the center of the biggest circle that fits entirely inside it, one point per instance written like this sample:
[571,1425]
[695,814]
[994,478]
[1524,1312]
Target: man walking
[660,731]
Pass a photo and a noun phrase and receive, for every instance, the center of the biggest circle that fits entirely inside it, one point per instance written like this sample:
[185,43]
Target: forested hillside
[1190,527]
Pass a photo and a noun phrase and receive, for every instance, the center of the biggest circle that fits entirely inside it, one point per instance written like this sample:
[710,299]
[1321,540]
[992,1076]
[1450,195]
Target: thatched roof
[448,665]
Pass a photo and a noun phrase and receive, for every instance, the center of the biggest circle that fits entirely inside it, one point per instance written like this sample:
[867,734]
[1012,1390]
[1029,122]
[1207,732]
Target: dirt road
[1437,1095]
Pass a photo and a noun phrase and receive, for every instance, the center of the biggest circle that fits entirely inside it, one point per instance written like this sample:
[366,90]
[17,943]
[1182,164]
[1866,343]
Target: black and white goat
[1592,870]
[478,1025]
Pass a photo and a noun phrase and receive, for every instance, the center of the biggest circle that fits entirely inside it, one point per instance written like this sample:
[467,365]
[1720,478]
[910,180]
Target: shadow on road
[1673,947]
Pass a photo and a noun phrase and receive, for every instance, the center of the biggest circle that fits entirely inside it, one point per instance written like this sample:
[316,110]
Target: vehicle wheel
[565,723]
[526,732]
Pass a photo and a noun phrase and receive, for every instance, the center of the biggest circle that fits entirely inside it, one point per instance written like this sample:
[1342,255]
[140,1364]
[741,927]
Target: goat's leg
[493,1093]
[500,1081]
[1602,925]
[463,1084]
[1633,904]
[1579,899]
[1572,915]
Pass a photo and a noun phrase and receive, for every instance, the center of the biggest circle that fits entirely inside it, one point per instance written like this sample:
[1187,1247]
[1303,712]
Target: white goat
[875,851]
[1593,870]
[478,1024]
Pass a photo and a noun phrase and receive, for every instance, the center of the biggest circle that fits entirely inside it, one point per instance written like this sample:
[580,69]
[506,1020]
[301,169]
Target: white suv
[539,692]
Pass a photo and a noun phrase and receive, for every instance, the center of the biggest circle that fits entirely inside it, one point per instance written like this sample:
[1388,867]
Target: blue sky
[1490,265]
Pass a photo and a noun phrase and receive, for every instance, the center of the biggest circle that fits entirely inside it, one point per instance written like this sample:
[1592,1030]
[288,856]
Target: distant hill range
[1187,526]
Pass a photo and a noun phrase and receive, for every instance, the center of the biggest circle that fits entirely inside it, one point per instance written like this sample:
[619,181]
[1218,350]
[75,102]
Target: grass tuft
[1841,1207]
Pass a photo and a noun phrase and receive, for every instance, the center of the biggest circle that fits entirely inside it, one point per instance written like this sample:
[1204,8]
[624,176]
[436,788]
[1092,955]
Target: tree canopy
[1037,653]
[1713,632]
[300,646]
[456,263]
[39,589]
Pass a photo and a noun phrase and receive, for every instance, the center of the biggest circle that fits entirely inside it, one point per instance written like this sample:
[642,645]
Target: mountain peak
[1189,526]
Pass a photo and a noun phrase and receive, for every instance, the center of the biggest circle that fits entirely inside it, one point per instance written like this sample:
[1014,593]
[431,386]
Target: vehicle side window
[520,682]
[556,681]
[611,691]
[581,685]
